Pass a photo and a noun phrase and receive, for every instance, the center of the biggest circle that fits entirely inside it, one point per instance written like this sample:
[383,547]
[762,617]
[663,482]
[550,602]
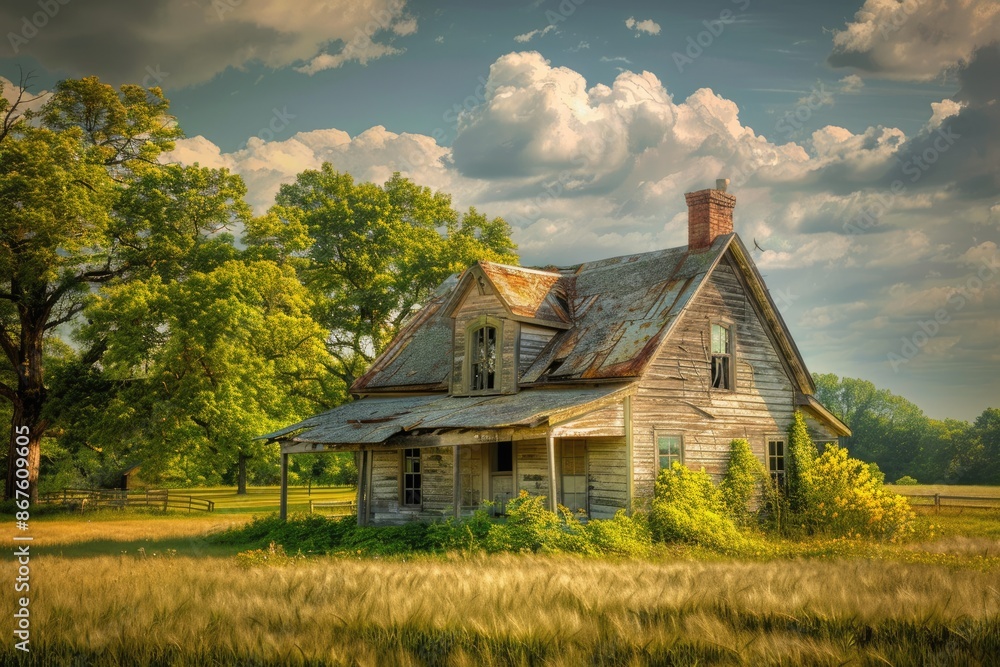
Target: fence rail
[346,507]
[938,500]
[86,499]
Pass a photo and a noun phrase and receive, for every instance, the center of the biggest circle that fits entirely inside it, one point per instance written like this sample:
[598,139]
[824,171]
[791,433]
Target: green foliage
[895,434]
[624,535]
[743,482]
[370,254]
[62,173]
[906,480]
[687,507]
[273,556]
[800,454]
[843,498]
[528,528]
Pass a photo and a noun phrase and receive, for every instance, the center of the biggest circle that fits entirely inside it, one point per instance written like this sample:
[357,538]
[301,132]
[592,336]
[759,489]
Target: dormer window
[483,359]
[722,357]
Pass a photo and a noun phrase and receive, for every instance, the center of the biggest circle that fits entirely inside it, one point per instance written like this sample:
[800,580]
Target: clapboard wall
[675,394]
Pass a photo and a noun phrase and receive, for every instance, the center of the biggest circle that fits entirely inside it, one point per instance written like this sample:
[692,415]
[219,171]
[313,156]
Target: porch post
[283,503]
[362,479]
[629,454]
[369,494]
[550,443]
[456,454]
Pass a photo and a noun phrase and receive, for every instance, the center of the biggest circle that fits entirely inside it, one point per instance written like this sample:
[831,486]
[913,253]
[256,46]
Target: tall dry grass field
[507,610]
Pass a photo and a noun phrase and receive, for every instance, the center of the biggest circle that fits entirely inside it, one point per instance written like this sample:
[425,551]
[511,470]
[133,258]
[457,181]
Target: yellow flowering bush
[842,496]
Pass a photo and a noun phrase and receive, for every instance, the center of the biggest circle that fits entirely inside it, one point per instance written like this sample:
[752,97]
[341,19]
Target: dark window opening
[776,461]
[722,357]
[411,477]
[484,358]
[504,462]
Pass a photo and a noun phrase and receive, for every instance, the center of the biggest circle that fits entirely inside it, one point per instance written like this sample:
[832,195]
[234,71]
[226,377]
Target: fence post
[310,505]
[937,503]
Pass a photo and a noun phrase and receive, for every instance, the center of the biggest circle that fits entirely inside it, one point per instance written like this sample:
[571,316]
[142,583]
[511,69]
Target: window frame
[730,356]
[668,433]
[777,476]
[471,330]
[404,457]
[561,488]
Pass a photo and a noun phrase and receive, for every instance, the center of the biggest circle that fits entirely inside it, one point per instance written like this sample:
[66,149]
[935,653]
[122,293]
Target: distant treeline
[894,433]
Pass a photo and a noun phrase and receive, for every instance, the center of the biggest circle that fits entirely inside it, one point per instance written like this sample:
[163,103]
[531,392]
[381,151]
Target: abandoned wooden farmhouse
[576,383]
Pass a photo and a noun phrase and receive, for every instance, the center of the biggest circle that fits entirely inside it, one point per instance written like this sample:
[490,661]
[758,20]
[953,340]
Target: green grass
[265,499]
[946,490]
[113,588]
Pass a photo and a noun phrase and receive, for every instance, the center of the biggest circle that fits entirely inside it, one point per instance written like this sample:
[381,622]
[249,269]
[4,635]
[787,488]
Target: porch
[434,457]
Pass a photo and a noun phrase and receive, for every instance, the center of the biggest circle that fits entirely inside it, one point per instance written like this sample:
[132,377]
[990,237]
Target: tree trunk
[26,424]
[241,475]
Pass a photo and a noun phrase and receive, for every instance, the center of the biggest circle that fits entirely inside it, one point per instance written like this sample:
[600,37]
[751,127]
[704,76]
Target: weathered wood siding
[818,431]
[606,421]
[532,340]
[436,483]
[607,476]
[676,387]
[531,469]
[474,305]
[386,467]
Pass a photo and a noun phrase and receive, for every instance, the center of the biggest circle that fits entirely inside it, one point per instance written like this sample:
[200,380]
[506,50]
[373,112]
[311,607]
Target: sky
[861,137]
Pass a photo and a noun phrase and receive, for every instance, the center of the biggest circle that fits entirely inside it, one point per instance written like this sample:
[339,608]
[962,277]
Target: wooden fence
[86,499]
[937,501]
[345,507]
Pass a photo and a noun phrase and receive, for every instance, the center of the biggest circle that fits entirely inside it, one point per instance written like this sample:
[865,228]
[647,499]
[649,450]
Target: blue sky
[862,137]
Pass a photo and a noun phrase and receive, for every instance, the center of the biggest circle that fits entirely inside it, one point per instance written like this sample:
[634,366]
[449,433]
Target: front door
[502,476]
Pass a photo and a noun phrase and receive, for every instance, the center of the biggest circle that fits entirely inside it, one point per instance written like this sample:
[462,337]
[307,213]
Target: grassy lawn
[264,499]
[947,490]
[113,588]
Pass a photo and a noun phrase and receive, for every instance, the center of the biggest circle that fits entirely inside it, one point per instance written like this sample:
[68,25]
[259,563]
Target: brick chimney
[710,214]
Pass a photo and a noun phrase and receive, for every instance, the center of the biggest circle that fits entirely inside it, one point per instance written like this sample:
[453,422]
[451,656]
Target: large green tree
[61,174]
[371,253]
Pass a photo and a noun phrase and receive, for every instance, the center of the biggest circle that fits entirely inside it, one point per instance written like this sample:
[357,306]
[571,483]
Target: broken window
[411,477]
[722,357]
[776,461]
[484,358]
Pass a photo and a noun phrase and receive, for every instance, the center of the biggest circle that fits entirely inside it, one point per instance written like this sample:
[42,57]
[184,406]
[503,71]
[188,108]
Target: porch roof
[375,419]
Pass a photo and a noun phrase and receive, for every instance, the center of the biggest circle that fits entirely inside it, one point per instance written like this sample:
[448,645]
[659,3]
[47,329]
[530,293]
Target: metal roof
[374,420]
[619,310]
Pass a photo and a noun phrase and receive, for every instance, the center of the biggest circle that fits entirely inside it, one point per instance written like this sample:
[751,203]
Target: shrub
[687,507]
[844,498]
[906,480]
[743,482]
[623,535]
[799,458]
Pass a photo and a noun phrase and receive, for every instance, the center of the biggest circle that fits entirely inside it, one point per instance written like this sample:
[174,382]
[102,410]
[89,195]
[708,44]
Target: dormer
[489,308]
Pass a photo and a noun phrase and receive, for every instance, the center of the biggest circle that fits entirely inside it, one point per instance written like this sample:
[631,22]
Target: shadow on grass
[197,547]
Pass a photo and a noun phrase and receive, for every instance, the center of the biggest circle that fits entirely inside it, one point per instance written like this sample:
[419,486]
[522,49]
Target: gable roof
[530,295]
[613,315]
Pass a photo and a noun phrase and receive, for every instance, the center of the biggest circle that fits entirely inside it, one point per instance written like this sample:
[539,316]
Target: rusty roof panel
[527,292]
[624,308]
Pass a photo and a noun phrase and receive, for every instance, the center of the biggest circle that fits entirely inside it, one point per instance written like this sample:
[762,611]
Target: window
[574,475]
[484,359]
[411,477]
[776,460]
[669,448]
[722,357]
